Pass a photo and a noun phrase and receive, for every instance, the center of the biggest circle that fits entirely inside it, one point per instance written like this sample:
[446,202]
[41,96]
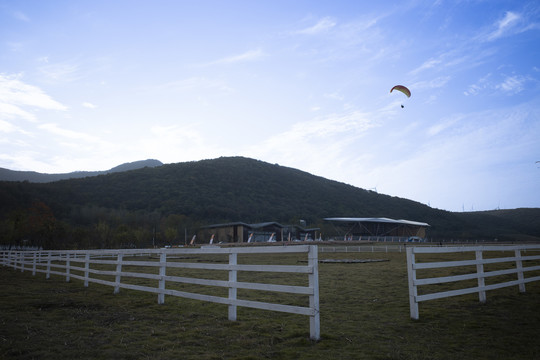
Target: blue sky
[88,85]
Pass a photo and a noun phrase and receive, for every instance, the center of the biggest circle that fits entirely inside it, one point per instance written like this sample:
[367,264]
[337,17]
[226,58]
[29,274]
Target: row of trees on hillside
[37,226]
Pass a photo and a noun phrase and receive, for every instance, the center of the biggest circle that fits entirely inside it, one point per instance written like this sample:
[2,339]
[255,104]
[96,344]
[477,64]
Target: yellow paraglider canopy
[403,89]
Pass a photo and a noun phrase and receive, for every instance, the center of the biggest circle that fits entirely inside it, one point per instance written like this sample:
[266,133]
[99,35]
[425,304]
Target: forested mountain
[32,176]
[165,203]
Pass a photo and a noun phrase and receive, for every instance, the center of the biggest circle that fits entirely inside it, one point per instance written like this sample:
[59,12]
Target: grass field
[364,315]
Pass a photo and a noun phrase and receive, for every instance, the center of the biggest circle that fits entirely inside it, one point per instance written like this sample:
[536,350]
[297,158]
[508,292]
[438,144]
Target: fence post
[233,274]
[315,319]
[86,268]
[22,257]
[68,267]
[16,255]
[119,271]
[519,268]
[40,255]
[413,291]
[481,278]
[162,272]
[34,260]
[48,274]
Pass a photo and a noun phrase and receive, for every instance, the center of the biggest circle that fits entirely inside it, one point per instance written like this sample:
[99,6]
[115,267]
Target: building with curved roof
[350,228]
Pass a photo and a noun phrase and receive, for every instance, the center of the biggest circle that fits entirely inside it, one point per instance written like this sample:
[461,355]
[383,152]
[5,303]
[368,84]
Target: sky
[89,85]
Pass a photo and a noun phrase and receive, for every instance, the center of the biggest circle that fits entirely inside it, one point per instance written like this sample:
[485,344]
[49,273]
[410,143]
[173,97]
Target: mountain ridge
[37,177]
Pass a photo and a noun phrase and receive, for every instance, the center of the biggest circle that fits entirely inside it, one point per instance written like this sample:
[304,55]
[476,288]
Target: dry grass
[364,315]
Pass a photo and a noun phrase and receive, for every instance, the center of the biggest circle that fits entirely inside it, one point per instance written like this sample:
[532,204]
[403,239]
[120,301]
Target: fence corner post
[233,275]
[315,319]
[413,291]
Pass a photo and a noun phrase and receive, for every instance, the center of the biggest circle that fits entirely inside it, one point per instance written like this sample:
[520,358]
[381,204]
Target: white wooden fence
[83,265]
[524,264]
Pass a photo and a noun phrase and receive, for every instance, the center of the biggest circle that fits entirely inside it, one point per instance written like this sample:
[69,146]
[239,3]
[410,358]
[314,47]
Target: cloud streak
[505,25]
[16,97]
[88,105]
[55,129]
[63,72]
[250,55]
[323,25]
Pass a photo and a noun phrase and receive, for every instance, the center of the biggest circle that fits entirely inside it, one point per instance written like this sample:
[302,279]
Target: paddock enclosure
[480,269]
[364,314]
[112,267]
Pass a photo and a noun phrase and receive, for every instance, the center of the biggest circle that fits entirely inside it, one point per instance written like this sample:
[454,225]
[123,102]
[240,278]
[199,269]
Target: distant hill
[166,201]
[32,176]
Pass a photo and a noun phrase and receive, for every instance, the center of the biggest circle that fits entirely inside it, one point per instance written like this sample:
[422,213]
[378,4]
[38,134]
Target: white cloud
[512,84]
[429,64]
[16,96]
[60,72]
[334,96]
[319,146]
[69,134]
[443,125]
[14,91]
[176,143]
[482,83]
[249,55]
[322,25]
[27,157]
[89,105]
[8,127]
[194,83]
[504,25]
[19,15]
[438,82]
[460,154]
[12,111]
[473,89]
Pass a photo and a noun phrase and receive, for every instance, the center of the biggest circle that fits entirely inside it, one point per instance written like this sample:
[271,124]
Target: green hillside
[164,203]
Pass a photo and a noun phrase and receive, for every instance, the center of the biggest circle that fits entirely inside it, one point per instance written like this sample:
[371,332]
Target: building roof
[224,225]
[239,223]
[376,220]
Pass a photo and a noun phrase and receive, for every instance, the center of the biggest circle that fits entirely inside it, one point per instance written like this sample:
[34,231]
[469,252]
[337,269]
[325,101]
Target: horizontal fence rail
[361,248]
[523,266]
[114,267]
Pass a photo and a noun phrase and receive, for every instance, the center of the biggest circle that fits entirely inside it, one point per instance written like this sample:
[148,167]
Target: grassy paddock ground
[364,315]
